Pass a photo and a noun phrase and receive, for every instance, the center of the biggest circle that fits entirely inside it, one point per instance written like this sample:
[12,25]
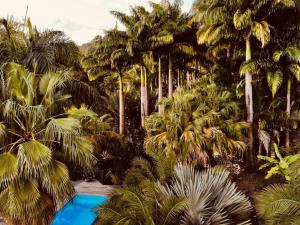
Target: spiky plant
[189,197]
[140,201]
[213,198]
[200,122]
[35,141]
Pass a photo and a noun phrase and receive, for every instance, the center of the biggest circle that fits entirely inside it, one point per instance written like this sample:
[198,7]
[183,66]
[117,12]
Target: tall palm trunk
[178,79]
[142,98]
[170,78]
[160,86]
[288,111]
[249,107]
[146,93]
[188,77]
[121,107]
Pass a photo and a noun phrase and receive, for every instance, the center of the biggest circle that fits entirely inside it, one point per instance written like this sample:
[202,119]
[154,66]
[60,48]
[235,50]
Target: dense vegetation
[173,107]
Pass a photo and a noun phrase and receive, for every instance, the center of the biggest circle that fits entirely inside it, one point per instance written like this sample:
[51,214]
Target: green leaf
[8,168]
[209,35]
[269,159]
[242,20]
[240,89]
[65,124]
[82,112]
[56,180]
[3,133]
[274,81]
[295,69]
[277,55]
[33,155]
[292,158]
[261,31]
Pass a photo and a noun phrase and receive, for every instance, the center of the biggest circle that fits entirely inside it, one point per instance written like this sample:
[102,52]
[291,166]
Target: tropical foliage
[156,104]
[279,204]
[199,123]
[165,194]
[35,143]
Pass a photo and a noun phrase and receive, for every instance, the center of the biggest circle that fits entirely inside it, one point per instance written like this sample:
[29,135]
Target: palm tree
[140,201]
[176,24]
[288,61]
[198,124]
[12,41]
[156,192]
[237,20]
[49,50]
[34,181]
[111,59]
[213,198]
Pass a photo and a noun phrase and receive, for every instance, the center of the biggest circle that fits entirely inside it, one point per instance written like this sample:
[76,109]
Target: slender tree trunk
[142,98]
[121,107]
[188,77]
[160,86]
[178,78]
[288,111]
[146,93]
[249,107]
[170,80]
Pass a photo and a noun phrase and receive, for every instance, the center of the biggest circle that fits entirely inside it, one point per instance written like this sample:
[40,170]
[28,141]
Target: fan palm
[213,198]
[34,181]
[199,123]
[140,201]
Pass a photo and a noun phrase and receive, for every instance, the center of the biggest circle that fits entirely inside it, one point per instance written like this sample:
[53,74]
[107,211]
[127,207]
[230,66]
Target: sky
[81,20]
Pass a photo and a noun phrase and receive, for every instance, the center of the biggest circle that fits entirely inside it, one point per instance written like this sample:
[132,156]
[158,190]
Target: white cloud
[82,20]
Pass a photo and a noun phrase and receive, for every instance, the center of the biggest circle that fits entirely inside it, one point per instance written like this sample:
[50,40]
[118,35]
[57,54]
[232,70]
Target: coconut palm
[199,123]
[34,181]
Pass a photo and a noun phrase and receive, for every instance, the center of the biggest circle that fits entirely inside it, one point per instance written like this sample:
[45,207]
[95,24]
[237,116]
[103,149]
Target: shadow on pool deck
[92,188]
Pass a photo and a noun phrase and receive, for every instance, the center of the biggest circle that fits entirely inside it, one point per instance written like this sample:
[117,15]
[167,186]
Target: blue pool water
[79,211]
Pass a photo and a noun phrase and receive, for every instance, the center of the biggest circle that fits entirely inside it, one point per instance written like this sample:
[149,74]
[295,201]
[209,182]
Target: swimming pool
[79,211]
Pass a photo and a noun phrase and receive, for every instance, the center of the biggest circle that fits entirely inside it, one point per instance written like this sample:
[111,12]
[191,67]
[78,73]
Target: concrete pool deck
[92,188]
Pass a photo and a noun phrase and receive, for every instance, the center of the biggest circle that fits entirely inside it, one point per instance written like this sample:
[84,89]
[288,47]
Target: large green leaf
[295,69]
[20,197]
[81,112]
[65,125]
[209,35]
[32,156]
[80,150]
[57,182]
[8,168]
[274,81]
[261,31]
[242,20]
[3,133]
